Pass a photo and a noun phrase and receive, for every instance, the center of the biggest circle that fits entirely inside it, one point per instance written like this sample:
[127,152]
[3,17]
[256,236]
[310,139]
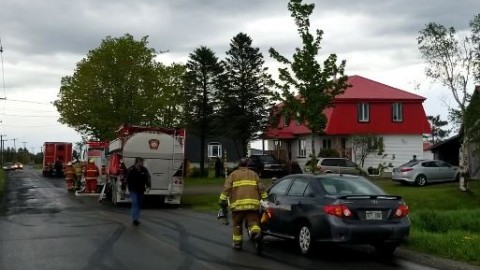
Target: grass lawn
[445,221]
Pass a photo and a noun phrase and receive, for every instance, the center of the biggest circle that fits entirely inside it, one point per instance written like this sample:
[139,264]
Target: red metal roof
[366,89]
[342,118]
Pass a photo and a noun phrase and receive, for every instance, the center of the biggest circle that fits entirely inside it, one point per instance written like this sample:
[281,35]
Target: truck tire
[114,193]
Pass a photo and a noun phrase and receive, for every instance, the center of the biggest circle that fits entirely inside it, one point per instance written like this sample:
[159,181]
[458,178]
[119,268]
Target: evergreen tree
[244,96]
[200,87]
[438,130]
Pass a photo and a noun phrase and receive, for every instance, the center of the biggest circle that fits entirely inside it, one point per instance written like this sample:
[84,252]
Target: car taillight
[401,211]
[406,169]
[338,210]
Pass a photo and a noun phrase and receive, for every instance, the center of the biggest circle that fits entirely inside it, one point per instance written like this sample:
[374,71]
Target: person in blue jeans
[138,180]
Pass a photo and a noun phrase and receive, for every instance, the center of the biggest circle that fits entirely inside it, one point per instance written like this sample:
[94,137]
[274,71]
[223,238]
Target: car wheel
[304,238]
[385,249]
[421,180]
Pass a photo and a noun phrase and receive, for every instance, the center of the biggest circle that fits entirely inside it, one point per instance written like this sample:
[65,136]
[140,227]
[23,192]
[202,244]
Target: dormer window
[397,112]
[363,111]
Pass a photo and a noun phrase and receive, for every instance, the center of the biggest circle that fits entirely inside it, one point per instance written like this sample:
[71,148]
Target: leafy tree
[200,87]
[365,145]
[317,84]
[244,91]
[453,60]
[170,99]
[114,84]
[438,130]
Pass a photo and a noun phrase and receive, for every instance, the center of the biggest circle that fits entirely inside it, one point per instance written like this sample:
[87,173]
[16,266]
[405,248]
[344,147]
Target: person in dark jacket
[219,170]
[138,180]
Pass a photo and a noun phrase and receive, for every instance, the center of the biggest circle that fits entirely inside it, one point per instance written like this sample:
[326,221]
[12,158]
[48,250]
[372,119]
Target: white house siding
[427,154]
[399,149]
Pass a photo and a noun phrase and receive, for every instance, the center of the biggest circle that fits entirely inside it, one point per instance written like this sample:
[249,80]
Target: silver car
[421,172]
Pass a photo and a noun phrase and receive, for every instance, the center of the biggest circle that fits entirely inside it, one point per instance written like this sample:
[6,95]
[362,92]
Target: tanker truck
[163,152]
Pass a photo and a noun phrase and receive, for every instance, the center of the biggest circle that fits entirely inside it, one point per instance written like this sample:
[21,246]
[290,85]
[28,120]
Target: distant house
[367,107]
[214,147]
[449,150]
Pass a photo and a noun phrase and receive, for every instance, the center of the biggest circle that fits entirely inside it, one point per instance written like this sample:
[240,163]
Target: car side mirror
[272,197]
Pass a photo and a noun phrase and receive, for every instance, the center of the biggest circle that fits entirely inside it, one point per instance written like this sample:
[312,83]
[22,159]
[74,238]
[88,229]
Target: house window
[397,112]
[363,112]
[214,150]
[302,148]
[286,121]
[327,144]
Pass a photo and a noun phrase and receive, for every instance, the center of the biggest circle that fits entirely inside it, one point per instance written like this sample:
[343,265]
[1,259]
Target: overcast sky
[44,39]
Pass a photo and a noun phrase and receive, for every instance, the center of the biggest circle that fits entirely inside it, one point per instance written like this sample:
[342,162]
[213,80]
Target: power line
[17,115]
[28,101]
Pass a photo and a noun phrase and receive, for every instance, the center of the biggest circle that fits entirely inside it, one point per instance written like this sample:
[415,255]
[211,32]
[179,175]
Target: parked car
[335,165]
[13,166]
[332,208]
[267,166]
[421,172]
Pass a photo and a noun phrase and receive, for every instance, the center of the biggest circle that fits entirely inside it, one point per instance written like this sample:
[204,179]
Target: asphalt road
[47,228]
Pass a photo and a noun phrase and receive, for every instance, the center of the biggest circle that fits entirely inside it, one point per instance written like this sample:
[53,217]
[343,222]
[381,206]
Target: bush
[326,153]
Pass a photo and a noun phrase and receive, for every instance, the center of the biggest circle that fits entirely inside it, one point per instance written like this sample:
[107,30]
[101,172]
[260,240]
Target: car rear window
[409,164]
[267,159]
[330,162]
[349,186]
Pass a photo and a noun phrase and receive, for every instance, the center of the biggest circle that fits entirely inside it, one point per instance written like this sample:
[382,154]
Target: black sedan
[341,209]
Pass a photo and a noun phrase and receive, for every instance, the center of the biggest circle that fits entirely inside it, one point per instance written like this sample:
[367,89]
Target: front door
[278,205]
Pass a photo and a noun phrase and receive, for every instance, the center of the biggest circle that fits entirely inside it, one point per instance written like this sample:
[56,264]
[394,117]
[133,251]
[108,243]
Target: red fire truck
[55,156]
[96,151]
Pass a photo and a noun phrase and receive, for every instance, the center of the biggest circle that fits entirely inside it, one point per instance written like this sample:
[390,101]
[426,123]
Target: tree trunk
[464,163]
[202,153]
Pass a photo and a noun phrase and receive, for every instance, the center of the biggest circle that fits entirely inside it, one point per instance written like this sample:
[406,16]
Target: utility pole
[1,146]
[24,145]
[14,149]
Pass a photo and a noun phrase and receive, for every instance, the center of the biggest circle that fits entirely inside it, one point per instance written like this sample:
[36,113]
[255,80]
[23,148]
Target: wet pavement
[45,227]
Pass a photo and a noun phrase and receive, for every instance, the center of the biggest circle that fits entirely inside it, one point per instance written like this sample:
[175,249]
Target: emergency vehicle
[96,151]
[54,152]
[163,152]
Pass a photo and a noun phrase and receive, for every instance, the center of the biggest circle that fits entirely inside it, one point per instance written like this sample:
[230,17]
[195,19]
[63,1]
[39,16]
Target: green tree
[200,87]
[114,84]
[366,145]
[451,60]
[244,92]
[170,99]
[472,121]
[438,130]
[317,84]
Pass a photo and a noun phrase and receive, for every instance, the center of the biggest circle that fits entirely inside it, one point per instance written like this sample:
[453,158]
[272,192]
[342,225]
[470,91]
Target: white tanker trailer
[163,152]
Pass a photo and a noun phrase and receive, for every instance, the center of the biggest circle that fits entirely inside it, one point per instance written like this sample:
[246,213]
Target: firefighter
[78,166]
[244,190]
[91,175]
[69,173]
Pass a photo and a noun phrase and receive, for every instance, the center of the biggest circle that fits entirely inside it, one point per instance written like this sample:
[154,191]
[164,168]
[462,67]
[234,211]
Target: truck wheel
[114,193]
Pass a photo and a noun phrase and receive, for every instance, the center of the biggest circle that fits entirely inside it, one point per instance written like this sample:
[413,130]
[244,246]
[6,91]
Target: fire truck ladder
[173,169]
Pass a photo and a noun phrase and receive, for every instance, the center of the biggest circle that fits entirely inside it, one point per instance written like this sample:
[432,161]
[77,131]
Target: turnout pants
[90,185]
[251,217]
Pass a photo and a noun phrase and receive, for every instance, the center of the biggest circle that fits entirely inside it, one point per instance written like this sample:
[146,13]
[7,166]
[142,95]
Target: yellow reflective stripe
[264,195]
[255,229]
[91,170]
[240,183]
[237,237]
[254,202]
[223,197]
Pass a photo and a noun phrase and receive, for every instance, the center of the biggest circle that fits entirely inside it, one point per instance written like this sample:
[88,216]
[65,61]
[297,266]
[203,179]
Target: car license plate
[374,215]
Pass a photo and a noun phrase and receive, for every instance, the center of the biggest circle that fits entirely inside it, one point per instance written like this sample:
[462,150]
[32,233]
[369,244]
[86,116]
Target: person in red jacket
[69,173]
[91,175]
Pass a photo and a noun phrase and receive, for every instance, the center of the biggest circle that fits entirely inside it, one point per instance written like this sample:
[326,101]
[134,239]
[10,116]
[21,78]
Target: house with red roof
[366,108]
